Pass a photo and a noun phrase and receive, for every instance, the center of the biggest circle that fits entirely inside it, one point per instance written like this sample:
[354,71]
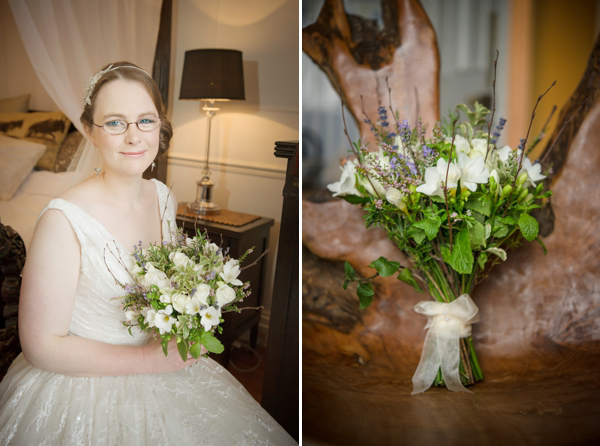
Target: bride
[82,378]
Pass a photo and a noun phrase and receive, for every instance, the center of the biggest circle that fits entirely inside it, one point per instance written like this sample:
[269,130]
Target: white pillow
[17,159]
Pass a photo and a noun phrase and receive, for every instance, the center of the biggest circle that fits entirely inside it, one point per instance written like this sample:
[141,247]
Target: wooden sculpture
[539,336]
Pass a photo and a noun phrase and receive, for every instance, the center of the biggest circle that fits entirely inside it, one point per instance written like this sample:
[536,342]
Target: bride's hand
[159,363]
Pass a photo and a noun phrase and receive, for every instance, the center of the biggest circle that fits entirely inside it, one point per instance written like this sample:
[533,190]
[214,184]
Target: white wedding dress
[199,405]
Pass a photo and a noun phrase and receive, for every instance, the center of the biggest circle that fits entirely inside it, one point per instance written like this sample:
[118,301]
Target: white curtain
[69,40]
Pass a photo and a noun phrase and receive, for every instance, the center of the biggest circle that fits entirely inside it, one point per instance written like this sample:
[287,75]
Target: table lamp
[210,75]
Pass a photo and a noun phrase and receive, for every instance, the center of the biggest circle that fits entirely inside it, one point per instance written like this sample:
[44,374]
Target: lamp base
[203,204]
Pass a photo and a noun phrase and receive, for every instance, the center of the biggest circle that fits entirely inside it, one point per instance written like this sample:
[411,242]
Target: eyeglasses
[117,126]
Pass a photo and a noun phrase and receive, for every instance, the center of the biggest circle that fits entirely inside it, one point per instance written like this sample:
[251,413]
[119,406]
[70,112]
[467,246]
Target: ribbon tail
[428,365]
[450,359]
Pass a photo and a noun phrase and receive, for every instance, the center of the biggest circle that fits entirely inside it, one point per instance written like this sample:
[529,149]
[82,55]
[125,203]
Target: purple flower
[379,204]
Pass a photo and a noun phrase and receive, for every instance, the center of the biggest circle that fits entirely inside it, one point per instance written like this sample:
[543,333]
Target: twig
[446,182]
[256,261]
[352,147]
[243,308]
[538,138]
[390,100]
[493,107]
[562,128]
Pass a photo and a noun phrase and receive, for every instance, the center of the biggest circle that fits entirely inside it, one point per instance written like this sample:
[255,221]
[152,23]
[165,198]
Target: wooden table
[238,239]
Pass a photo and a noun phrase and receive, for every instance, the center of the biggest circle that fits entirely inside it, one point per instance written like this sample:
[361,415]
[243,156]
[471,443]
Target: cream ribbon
[447,322]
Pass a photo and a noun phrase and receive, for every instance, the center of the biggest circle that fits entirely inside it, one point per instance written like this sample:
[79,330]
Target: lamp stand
[203,204]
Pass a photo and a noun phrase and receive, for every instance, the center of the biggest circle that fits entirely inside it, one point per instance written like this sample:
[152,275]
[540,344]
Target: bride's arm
[48,291]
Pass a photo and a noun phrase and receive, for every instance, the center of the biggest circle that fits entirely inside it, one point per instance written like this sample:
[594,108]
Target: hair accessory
[89,88]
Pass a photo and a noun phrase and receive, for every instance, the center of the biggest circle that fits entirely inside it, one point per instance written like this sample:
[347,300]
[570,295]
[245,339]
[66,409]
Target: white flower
[504,153]
[211,248]
[436,176]
[209,318]
[149,316]
[130,315]
[165,298]
[231,270]
[479,148]
[202,293]
[347,183]
[472,171]
[225,295]
[189,242]
[394,196]
[461,144]
[199,269]
[156,277]
[180,259]
[179,301]
[534,172]
[193,306]
[164,322]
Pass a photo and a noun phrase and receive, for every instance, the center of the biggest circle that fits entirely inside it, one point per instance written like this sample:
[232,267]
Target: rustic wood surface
[538,339]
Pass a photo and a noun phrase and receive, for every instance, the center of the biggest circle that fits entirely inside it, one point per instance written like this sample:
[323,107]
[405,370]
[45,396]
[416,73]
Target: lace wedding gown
[199,405]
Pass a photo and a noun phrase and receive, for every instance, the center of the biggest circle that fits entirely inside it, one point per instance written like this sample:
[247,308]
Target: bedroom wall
[248,177]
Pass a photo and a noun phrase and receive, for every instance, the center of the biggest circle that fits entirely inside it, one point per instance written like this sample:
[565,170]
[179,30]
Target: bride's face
[131,152]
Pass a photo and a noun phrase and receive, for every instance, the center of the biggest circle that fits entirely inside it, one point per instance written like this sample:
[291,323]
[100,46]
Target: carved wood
[358,58]
[538,339]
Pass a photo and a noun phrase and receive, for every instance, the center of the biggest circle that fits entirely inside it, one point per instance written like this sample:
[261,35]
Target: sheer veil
[83,163]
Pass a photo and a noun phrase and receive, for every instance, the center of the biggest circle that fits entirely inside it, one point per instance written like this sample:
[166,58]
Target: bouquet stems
[445,286]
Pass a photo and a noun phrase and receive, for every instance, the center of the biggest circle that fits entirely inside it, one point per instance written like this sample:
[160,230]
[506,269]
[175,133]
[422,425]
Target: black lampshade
[212,74]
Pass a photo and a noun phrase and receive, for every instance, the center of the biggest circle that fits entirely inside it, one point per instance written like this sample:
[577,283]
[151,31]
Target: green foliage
[407,277]
[477,236]
[385,267]
[430,226]
[365,294]
[211,343]
[529,227]
[462,259]
[479,202]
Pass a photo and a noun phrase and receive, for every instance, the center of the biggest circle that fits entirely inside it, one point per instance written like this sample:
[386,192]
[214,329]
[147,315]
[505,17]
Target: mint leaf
[500,229]
[529,227]
[446,254]
[385,267]
[355,199]
[365,294]
[537,239]
[407,277]
[417,234]
[481,259]
[431,226]
[479,203]
[183,350]
[462,256]
[196,350]
[211,343]
[477,236]
[350,273]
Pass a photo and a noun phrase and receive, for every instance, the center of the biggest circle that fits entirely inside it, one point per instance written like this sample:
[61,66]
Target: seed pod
[493,184]
[522,195]
[506,190]
[521,178]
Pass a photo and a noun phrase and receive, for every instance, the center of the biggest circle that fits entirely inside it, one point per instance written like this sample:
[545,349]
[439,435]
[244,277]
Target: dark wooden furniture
[281,383]
[239,239]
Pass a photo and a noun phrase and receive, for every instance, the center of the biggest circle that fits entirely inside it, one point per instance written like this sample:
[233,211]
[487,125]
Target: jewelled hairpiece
[89,88]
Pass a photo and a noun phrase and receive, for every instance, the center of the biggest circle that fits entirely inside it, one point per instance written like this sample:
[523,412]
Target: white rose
[225,295]
[165,298]
[394,196]
[180,259]
[156,277]
[179,301]
[461,144]
[231,270]
[210,317]
[202,293]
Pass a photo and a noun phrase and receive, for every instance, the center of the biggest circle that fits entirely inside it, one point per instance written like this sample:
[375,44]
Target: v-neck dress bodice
[202,404]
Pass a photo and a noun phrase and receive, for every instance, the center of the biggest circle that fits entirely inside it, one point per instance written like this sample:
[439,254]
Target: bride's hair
[131,72]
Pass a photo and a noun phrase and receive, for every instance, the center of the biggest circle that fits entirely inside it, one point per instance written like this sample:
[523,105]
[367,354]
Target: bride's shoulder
[81,193]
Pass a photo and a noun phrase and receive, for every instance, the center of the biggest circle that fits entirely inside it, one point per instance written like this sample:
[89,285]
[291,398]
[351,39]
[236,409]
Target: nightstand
[238,239]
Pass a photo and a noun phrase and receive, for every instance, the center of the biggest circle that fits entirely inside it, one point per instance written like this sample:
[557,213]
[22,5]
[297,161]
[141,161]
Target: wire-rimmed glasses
[118,126]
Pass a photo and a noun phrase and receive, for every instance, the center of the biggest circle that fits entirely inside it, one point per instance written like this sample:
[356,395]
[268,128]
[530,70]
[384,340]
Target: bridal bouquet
[181,289]
[453,204]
